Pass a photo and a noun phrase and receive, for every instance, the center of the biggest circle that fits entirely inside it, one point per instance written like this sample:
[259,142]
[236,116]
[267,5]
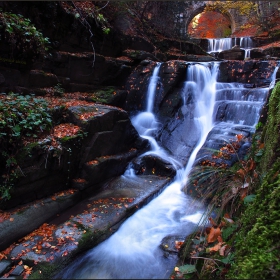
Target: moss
[271,136]
[44,270]
[257,246]
[103,96]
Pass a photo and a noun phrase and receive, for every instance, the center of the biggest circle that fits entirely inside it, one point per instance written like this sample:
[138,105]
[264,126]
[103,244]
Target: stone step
[80,227]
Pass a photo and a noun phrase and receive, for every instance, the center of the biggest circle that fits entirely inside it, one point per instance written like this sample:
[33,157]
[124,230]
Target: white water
[222,44]
[218,45]
[133,251]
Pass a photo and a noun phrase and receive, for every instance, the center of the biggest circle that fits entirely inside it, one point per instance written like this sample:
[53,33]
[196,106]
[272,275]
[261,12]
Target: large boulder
[232,54]
[101,149]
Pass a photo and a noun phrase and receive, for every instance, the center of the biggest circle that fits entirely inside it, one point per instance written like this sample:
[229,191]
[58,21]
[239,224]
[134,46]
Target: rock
[17,271]
[154,165]
[41,79]
[139,55]
[171,74]
[272,51]
[256,53]
[5,265]
[232,54]
[108,137]
[257,72]
[236,47]
[170,243]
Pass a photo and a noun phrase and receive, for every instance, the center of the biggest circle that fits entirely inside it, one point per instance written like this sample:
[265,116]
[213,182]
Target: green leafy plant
[227,191]
[22,34]
[20,117]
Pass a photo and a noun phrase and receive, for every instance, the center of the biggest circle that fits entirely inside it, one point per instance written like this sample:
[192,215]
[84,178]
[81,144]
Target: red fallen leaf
[11,219]
[215,248]
[207,230]
[64,254]
[213,235]
[178,244]
[261,146]
[220,239]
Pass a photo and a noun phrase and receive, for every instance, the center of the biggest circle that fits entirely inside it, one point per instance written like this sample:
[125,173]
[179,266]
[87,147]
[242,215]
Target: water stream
[222,44]
[133,252]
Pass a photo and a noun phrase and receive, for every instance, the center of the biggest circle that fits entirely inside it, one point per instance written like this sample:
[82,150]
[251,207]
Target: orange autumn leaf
[215,248]
[213,235]
[240,173]
[220,239]
[239,137]
[243,193]
[178,244]
[261,146]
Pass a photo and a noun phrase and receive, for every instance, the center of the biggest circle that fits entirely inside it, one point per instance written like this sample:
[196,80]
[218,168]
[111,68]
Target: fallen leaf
[222,250]
[213,235]
[215,248]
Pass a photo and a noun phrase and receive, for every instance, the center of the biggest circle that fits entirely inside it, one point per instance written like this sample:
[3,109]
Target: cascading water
[133,251]
[222,44]
[247,44]
[218,45]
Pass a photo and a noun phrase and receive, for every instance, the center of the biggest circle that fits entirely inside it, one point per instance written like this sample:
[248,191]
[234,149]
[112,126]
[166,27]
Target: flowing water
[133,252]
[222,44]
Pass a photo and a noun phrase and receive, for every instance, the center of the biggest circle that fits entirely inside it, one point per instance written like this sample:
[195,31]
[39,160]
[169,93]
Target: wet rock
[31,217]
[40,79]
[171,74]
[17,271]
[5,265]
[256,53]
[137,85]
[232,54]
[139,55]
[154,165]
[272,51]
[170,244]
[255,72]
[107,136]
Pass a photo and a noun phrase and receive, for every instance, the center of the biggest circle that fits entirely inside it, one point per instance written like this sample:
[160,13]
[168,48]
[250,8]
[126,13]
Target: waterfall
[204,108]
[222,44]
[133,251]
[246,43]
[221,110]
[218,45]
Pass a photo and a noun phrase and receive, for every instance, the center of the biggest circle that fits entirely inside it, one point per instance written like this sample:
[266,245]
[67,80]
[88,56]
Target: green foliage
[242,7]
[59,89]
[257,248]
[187,268]
[20,116]
[249,198]
[22,34]
[271,130]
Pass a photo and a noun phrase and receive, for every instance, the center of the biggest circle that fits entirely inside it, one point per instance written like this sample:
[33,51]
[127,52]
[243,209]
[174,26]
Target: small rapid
[134,251]
[222,44]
